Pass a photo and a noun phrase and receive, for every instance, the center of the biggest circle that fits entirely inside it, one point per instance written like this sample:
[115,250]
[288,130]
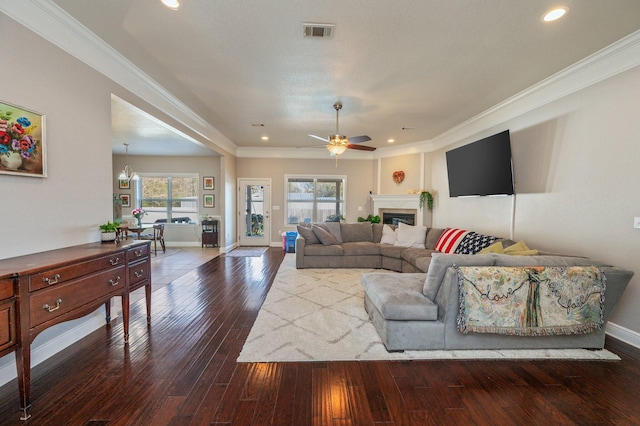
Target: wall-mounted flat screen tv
[483,167]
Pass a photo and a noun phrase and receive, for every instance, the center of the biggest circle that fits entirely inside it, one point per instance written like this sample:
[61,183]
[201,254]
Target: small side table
[210,233]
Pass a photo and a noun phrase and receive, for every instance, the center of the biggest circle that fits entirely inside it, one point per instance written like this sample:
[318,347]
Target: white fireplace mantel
[399,202]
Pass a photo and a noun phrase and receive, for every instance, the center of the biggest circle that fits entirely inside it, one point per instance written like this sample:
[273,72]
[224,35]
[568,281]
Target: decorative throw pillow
[519,246]
[388,235]
[472,243]
[324,236]
[334,228]
[309,236]
[410,236]
[449,240]
[520,249]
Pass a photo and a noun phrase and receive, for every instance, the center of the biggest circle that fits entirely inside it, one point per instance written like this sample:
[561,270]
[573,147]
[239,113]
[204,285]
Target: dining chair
[156,237]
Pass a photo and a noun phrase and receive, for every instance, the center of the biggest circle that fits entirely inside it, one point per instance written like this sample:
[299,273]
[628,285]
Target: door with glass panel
[254,211]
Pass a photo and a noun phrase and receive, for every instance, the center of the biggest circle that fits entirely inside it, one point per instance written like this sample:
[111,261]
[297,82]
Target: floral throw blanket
[530,301]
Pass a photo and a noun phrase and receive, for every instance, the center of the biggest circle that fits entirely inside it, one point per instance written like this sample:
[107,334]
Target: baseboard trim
[623,334]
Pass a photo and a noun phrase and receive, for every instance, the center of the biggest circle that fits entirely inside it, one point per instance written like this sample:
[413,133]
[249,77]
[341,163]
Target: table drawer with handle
[138,252]
[68,273]
[53,302]
[138,272]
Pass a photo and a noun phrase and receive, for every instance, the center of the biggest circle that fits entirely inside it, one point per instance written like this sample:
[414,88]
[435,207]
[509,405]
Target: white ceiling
[427,65]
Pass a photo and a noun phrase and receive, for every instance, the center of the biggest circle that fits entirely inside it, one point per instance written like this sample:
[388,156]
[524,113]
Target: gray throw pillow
[324,236]
[309,236]
[334,228]
[440,262]
[356,232]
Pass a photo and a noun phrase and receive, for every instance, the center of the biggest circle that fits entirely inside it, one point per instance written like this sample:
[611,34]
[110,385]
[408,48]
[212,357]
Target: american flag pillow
[473,243]
[449,240]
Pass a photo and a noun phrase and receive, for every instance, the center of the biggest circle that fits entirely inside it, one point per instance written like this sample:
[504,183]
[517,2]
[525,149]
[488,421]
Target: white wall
[576,169]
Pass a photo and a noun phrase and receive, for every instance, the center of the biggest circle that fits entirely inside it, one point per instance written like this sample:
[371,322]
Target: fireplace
[402,207]
[395,218]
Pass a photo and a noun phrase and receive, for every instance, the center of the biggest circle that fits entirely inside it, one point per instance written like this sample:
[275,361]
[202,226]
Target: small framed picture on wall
[123,184]
[126,200]
[209,200]
[208,182]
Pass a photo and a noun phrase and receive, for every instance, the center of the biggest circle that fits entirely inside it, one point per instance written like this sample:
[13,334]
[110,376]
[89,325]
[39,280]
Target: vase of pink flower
[16,142]
[138,213]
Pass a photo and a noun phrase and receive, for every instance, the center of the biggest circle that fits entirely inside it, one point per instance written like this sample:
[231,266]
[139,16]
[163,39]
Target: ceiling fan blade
[359,139]
[361,147]
[318,137]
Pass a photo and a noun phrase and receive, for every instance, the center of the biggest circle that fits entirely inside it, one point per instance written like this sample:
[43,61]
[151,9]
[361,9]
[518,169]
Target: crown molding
[52,23]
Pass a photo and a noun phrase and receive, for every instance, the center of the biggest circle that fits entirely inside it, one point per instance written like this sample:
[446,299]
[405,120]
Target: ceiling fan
[337,144]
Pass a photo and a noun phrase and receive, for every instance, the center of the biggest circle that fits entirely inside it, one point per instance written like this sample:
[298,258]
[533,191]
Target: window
[169,198]
[314,199]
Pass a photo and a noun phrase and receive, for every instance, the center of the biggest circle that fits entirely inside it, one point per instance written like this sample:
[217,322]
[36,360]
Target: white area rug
[247,252]
[318,315]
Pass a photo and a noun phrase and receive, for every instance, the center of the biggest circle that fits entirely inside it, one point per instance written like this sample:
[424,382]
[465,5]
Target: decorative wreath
[398,176]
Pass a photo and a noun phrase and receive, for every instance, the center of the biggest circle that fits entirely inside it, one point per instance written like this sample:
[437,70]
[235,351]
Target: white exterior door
[254,212]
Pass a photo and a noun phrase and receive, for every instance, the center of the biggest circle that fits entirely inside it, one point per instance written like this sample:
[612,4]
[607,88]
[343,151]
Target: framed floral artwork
[22,143]
[209,200]
[208,182]
[126,200]
[123,184]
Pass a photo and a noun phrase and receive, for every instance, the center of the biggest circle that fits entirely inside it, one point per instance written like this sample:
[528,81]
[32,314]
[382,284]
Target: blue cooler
[290,242]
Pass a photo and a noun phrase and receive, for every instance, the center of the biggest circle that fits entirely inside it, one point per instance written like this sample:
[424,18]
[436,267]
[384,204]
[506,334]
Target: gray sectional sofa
[358,246]
[418,309]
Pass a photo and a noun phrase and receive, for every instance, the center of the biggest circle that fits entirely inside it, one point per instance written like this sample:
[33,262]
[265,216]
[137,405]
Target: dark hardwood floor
[183,371]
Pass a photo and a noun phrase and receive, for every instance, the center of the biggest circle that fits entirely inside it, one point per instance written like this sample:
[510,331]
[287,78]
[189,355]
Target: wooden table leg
[147,293]
[107,311]
[23,365]
[125,315]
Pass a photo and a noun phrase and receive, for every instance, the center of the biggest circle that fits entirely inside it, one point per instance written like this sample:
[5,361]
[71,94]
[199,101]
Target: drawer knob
[139,274]
[114,261]
[116,282]
[138,253]
[48,308]
[51,281]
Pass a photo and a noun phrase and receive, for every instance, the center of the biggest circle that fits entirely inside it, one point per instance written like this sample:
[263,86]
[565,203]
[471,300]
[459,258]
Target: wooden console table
[40,290]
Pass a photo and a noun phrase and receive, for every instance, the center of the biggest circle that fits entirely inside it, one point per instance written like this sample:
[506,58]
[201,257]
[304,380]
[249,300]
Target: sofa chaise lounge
[419,308]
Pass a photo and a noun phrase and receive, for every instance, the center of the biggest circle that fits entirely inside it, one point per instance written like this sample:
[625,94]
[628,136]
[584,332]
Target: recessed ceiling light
[171,4]
[555,14]
[391,140]
[265,138]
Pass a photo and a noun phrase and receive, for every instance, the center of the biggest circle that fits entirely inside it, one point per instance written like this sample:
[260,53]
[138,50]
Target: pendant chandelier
[127,173]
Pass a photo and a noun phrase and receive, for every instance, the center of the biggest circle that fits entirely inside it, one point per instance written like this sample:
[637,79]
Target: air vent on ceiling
[318,30]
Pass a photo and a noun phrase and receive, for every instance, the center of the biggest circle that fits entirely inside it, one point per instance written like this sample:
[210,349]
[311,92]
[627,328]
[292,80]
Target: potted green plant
[370,218]
[426,197]
[109,231]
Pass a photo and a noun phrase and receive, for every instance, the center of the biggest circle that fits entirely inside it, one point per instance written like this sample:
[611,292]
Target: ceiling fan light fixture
[336,149]
[338,140]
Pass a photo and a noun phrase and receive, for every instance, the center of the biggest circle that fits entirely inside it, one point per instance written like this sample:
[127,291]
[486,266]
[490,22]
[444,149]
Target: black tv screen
[483,167]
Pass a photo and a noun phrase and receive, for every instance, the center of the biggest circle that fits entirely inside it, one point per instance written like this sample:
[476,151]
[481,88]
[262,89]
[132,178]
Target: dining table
[135,229]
